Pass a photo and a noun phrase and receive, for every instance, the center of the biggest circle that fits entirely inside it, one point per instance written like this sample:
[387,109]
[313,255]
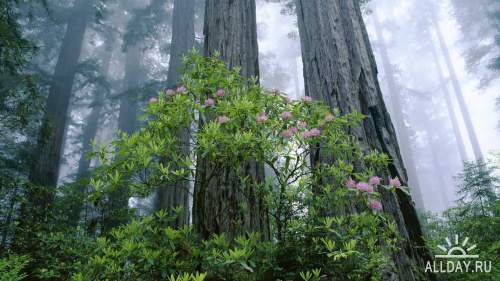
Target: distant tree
[46,161]
[479,22]
[478,188]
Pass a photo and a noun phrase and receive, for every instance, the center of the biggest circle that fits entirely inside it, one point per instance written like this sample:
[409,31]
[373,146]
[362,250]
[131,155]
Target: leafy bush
[324,224]
[11,268]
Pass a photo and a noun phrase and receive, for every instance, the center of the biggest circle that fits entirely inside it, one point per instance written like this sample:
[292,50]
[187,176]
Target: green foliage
[478,187]
[315,234]
[320,229]
[476,216]
[11,268]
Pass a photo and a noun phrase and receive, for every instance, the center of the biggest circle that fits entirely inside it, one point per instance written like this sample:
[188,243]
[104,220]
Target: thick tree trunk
[182,38]
[339,69]
[45,167]
[397,106]
[230,29]
[177,193]
[476,148]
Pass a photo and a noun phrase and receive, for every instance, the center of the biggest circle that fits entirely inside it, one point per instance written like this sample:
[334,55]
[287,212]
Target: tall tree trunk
[46,161]
[449,104]
[438,169]
[182,38]
[230,29]
[339,69]
[117,212]
[177,193]
[127,118]
[397,106]
[90,131]
[476,148]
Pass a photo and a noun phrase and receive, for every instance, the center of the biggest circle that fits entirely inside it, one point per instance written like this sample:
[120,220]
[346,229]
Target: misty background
[127,54]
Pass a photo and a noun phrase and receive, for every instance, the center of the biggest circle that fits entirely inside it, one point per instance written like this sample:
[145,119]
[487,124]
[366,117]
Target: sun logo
[457,251]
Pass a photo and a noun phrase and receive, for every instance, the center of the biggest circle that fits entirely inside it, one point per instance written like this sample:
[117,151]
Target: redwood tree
[219,194]
[340,70]
[176,194]
[47,157]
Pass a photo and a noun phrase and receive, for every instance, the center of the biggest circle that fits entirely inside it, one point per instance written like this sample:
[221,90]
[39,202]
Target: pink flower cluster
[153,100]
[261,117]
[350,183]
[209,102]
[375,205]
[302,124]
[374,180]
[220,93]
[288,133]
[169,93]
[181,89]
[395,182]
[368,187]
[363,186]
[314,132]
[222,119]
[307,99]
[286,115]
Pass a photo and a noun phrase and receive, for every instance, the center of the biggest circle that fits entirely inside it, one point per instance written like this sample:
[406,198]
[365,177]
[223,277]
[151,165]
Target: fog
[408,38]
[409,45]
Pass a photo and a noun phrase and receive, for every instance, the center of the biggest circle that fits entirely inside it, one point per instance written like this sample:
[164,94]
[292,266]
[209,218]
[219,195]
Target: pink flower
[350,183]
[286,115]
[222,119]
[153,100]
[220,93]
[169,92]
[363,186]
[181,89]
[307,99]
[329,118]
[293,129]
[375,205]
[209,102]
[314,132]
[395,182]
[302,124]
[261,118]
[374,180]
[286,134]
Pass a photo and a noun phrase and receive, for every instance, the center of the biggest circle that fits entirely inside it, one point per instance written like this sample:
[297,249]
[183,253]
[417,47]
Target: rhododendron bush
[326,219]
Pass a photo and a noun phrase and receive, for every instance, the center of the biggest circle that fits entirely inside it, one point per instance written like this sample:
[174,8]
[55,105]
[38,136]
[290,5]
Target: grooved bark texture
[46,161]
[182,38]
[339,69]
[230,28]
[177,193]
[222,203]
